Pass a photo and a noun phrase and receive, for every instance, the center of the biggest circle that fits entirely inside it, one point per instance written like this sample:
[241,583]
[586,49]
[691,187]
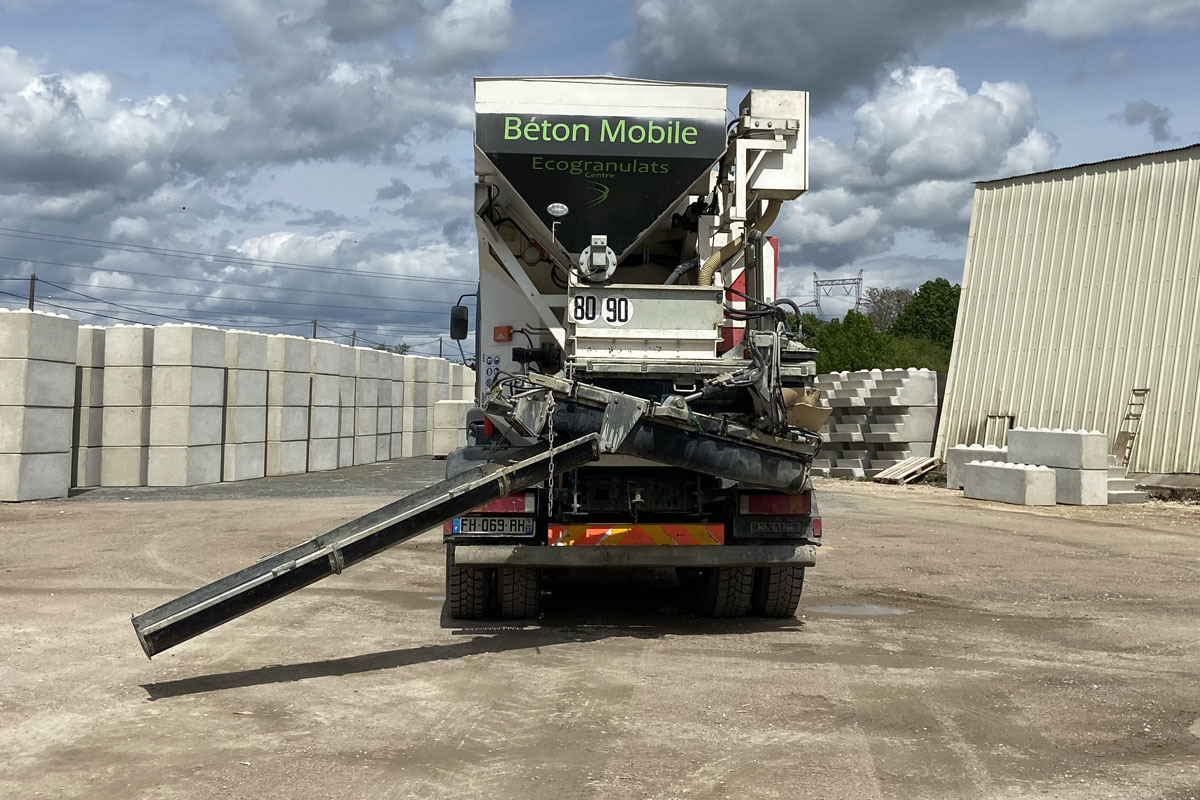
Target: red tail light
[520,503]
[776,504]
[816,528]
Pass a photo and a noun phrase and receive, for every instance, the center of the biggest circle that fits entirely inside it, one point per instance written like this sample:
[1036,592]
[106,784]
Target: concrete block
[87,427]
[288,388]
[246,350]
[324,423]
[184,466]
[451,414]
[326,391]
[368,363]
[346,391]
[442,370]
[245,424]
[85,466]
[324,358]
[322,454]
[24,429]
[846,402]
[187,426]
[34,476]
[126,386]
[383,420]
[243,461]
[383,447]
[245,387]
[1019,484]
[407,417]
[395,369]
[287,458]
[366,392]
[89,386]
[177,345]
[1121,498]
[383,392]
[917,387]
[1058,448]
[38,335]
[123,466]
[345,451]
[443,391]
[398,392]
[346,422]
[847,472]
[128,346]
[416,444]
[347,361]
[958,456]
[187,386]
[366,422]
[421,419]
[445,441]
[287,423]
[287,353]
[364,449]
[89,349]
[125,426]
[431,395]
[397,445]
[1081,487]
[26,382]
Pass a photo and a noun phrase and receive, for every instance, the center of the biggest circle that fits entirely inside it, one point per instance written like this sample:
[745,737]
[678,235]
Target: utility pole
[32,288]
[353,337]
[314,329]
[439,347]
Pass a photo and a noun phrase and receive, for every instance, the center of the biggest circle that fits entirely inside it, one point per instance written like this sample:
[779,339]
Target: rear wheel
[726,591]
[777,591]
[468,590]
[519,592]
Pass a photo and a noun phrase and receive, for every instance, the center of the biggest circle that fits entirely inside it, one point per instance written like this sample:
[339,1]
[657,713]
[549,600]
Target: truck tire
[777,591]
[519,592]
[726,591]
[468,590]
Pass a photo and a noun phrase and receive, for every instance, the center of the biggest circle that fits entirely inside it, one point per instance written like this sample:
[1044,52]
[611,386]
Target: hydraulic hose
[714,262]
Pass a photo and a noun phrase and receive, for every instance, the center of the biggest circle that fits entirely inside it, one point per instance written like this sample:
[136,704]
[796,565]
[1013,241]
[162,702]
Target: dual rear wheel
[479,592]
[737,591]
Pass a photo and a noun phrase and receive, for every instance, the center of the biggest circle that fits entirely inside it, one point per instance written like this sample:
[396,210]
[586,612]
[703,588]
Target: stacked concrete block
[441,375]
[289,386]
[1079,459]
[879,418]
[245,440]
[368,369]
[450,425]
[383,412]
[325,406]
[957,457]
[399,390]
[125,427]
[414,422]
[347,367]
[86,440]
[37,395]
[187,409]
[1019,484]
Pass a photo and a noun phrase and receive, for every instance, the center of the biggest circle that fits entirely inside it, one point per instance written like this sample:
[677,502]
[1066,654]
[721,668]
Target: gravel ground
[944,649]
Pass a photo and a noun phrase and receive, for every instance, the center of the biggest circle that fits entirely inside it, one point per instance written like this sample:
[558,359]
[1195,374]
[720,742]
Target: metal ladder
[1131,423]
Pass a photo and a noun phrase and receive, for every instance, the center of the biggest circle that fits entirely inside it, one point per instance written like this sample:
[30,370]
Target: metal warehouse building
[1080,286]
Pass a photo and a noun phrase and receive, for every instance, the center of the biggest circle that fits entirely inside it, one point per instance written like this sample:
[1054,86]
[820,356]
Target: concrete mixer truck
[643,397]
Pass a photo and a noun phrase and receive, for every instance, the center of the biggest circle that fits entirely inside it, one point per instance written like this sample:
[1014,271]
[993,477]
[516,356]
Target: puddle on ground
[860,611]
[436,598]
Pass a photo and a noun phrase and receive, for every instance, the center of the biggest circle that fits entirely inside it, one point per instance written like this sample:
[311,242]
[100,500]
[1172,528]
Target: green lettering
[609,133]
[688,135]
[512,128]
[537,163]
[531,131]
[587,132]
[655,134]
[561,131]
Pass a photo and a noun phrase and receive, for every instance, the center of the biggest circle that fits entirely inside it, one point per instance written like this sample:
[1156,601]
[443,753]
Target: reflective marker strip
[634,535]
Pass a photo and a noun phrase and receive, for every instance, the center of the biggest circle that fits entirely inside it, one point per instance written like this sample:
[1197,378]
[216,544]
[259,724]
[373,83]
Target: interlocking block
[89,386]
[34,476]
[322,454]
[88,426]
[89,350]
[245,424]
[383,392]
[178,345]
[345,422]
[125,426]
[288,388]
[246,350]
[326,391]
[366,392]
[287,423]
[187,426]
[26,382]
[958,456]
[364,449]
[1054,447]
[398,393]
[345,451]
[187,386]
[346,386]
[325,423]
[128,346]
[243,461]
[446,441]
[245,387]
[368,363]
[287,458]
[366,423]
[123,466]
[451,414]
[287,353]
[85,466]
[126,386]
[38,335]
[1019,484]
[383,447]
[1081,487]
[26,429]
[324,357]
[397,445]
[184,466]
[347,361]
[383,420]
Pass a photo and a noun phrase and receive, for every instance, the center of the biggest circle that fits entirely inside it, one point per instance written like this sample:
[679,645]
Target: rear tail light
[816,528]
[776,504]
[520,503]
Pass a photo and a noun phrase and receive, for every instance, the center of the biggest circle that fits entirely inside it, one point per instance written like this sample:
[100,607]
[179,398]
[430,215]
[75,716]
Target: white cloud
[1076,19]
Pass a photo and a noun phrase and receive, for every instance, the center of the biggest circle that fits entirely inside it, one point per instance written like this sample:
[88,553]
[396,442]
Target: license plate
[500,525]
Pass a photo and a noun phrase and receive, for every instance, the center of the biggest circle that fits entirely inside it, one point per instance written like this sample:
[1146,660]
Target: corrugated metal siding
[1079,286]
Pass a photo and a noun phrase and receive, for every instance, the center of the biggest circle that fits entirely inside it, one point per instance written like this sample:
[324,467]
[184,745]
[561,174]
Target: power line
[104,244]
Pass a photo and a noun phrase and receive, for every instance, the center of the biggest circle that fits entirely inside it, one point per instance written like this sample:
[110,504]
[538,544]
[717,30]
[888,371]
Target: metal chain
[550,422]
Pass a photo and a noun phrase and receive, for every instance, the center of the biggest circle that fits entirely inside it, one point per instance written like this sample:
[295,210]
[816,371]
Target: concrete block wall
[1075,461]
[1019,484]
[880,417]
[37,398]
[134,405]
[959,456]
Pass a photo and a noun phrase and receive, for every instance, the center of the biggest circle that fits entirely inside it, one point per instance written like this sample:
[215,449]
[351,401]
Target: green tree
[849,343]
[931,313]
[884,305]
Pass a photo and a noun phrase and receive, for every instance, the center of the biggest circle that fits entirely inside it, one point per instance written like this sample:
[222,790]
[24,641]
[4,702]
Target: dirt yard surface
[944,649]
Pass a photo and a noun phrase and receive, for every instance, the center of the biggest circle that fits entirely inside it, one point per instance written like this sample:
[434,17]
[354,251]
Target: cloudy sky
[263,163]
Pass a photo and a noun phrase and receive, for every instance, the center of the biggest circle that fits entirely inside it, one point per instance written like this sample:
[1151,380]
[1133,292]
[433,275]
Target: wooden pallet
[908,470]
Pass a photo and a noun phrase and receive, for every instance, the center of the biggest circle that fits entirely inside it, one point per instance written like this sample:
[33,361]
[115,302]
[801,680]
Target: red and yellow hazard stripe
[609,535]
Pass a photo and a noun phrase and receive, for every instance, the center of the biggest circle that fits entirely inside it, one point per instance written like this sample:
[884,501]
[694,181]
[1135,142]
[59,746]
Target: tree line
[898,328]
